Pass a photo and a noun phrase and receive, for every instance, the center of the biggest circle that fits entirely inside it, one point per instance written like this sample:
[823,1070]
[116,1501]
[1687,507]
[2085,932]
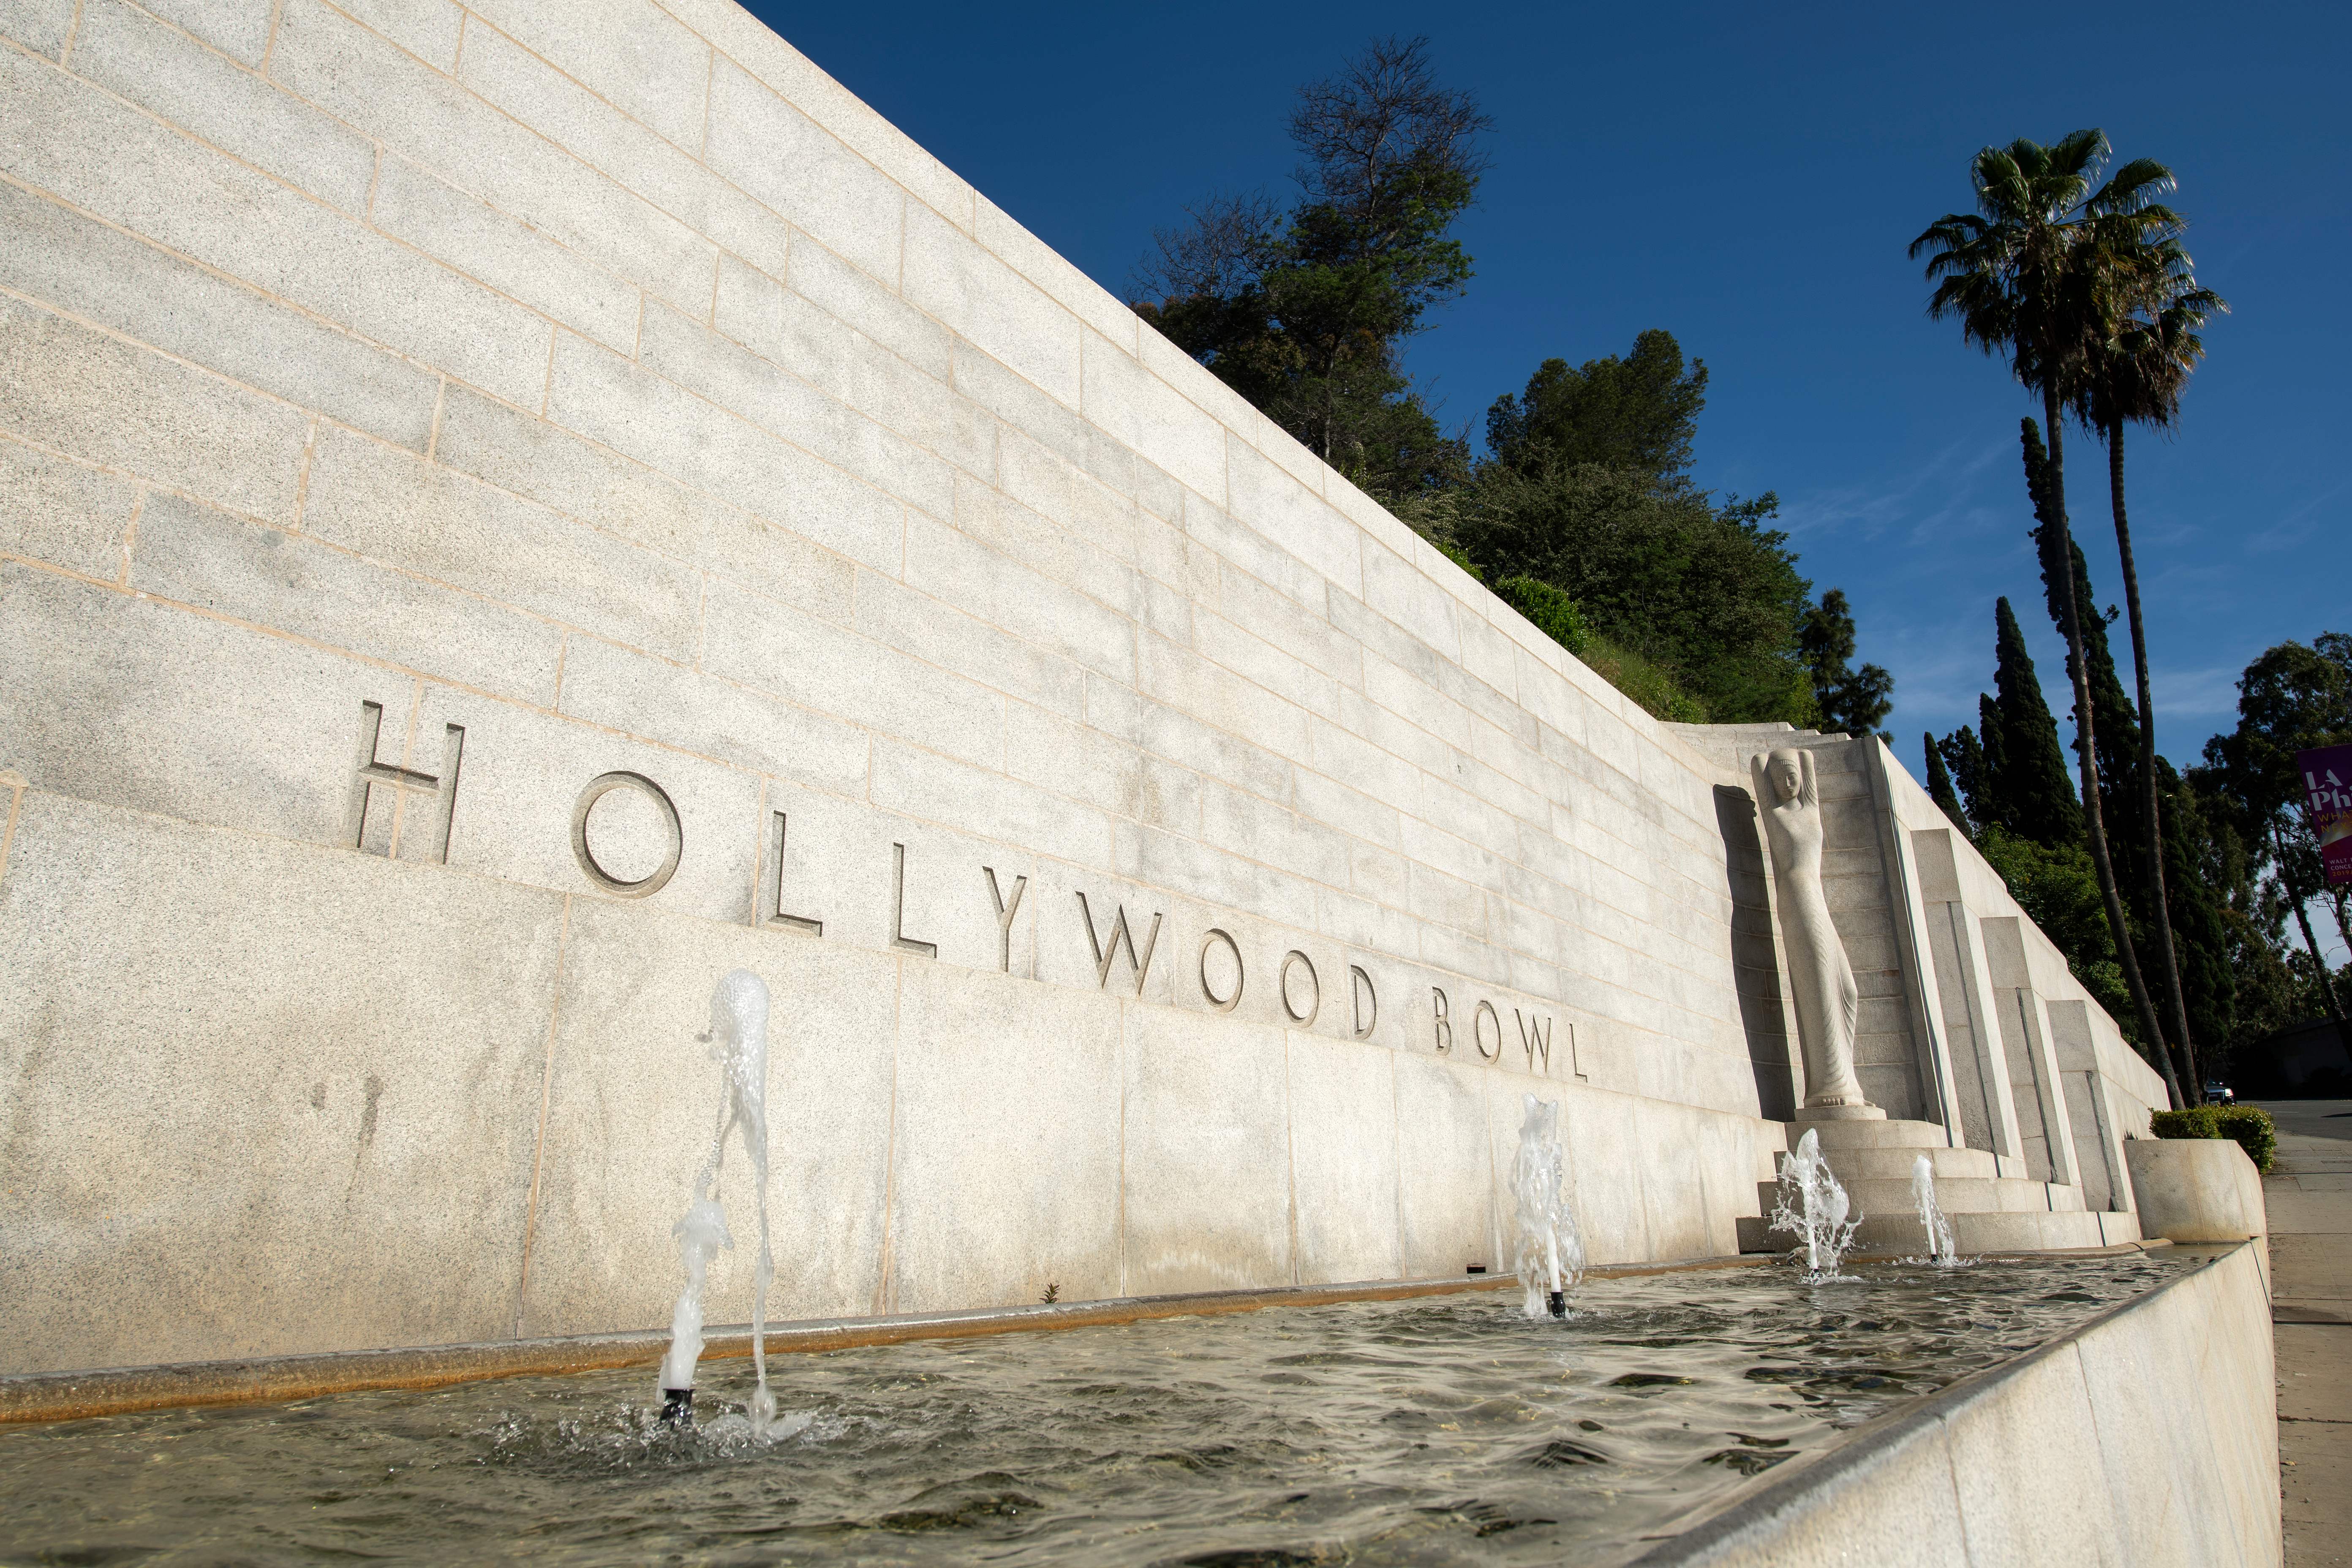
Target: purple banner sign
[2327,792]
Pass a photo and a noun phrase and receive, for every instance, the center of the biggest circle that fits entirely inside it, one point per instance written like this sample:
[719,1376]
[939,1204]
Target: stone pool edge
[2151,1426]
[28,1397]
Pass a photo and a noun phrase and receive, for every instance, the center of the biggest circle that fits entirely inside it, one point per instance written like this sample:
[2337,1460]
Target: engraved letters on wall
[425,803]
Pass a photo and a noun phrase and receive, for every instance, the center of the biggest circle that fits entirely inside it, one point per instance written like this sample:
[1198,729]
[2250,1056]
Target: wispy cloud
[2299,524]
[1924,502]
[2203,699]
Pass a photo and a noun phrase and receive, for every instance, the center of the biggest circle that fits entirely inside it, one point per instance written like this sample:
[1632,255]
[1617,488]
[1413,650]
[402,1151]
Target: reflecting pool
[1442,1429]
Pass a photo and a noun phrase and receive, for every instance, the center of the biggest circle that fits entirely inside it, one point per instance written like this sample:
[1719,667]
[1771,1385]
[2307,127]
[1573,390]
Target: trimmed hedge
[2256,1133]
[2197,1122]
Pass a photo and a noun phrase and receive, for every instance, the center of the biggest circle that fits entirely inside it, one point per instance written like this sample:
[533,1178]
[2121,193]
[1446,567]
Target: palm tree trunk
[2166,958]
[2303,919]
[2093,822]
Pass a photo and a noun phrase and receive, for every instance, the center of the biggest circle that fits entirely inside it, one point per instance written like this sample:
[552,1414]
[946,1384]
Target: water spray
[738,1037]
[1551,1258]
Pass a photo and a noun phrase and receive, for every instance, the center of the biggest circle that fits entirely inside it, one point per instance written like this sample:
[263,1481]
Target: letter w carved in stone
[1105,952]
[1534,1038]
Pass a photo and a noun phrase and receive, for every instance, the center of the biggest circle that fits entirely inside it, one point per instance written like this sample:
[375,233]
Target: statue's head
[1787,771]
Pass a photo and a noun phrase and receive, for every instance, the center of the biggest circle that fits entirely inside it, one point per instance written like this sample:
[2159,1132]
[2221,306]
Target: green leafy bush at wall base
[2255,1131]
[2197,1122]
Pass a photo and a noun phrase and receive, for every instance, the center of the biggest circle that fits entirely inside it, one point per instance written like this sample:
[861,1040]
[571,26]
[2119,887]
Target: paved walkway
[2309,1196]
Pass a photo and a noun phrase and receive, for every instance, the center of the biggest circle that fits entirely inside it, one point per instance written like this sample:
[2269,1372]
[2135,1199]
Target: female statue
[1827,1000]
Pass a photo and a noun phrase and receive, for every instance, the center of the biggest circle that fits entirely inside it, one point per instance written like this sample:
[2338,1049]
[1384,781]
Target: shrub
[2197,1122]
[1549,610]
[2251,1126]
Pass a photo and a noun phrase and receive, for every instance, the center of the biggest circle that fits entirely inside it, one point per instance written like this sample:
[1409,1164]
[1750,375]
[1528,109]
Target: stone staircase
[1990,1212]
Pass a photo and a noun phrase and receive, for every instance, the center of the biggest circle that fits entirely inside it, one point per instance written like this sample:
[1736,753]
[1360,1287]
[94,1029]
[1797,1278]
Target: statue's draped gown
[1827,999]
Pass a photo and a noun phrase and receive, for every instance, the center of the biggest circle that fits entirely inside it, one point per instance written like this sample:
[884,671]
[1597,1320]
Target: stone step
[1852,1165]
[1833,1135]
[1970,1194]
[1902,1236]
[1957,1195]
[2041,1232]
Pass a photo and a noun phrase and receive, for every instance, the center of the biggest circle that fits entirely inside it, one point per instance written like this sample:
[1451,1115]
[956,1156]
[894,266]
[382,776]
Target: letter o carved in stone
[598,788]
[1283,985]
[1221,1003]
[1478,1022]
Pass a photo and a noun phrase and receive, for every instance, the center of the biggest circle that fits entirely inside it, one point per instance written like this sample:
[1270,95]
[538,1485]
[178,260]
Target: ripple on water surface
[1446,1429]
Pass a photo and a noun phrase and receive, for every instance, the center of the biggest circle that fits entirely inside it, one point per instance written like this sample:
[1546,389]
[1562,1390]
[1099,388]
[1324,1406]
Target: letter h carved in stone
[373,774]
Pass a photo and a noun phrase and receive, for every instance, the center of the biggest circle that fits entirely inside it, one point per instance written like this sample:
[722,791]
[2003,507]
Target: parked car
[2219,1093]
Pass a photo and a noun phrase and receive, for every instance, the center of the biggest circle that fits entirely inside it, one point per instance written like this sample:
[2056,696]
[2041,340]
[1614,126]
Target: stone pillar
[1987,1105]
[2098,1141]
[2046,1135]
[1922,997]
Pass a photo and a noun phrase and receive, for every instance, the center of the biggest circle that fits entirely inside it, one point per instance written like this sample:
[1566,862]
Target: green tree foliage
[2144,313]
[1306,313]
[2057,887]
[1690,604]
[2203,867]
[2290,699]
[2031,796]
[1548,610]
[2011,273]
[1675,585]
[1964,755]
[1852,701]
[1940,786]
[1639,413]
[2116,729]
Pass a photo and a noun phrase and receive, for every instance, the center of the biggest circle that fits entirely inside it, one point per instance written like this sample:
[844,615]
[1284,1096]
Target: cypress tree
[2197,877]
[1962,753]
[2114,734]
[2044,483]
[1939,786]
[2032,796]
[1984,802]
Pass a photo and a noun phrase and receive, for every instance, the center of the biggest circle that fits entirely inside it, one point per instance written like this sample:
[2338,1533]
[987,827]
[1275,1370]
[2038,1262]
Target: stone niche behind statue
[1819,975]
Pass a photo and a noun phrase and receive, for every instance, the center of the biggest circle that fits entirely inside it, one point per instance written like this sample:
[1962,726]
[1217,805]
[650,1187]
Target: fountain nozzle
[678,1407]
[1559,1303]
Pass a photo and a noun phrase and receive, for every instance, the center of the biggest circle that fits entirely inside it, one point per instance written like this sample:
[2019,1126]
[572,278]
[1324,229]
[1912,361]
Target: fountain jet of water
[1814,1207]
[1942,1250]
[1551,1258]
[738,1037]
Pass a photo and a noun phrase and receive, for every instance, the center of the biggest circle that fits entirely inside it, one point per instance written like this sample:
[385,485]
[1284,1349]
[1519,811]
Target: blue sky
[1748,178]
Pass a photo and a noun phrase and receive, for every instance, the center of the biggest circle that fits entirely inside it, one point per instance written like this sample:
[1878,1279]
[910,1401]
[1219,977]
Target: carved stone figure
[1819,972]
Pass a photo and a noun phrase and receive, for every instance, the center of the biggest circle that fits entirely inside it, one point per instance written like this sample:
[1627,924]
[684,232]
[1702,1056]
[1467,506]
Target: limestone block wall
[509,511]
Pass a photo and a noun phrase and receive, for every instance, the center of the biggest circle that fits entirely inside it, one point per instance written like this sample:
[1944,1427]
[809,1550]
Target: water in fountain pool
[1443,1430]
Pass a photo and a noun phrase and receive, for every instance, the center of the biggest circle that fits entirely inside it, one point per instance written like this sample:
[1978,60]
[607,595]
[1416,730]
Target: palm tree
[2146,309]
[2011,273]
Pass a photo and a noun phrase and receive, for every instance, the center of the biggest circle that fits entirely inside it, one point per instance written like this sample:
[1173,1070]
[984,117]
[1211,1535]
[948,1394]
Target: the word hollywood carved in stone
[1299,986]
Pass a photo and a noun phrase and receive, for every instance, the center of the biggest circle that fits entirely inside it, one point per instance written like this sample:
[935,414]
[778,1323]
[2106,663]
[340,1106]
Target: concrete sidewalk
[2309,1196]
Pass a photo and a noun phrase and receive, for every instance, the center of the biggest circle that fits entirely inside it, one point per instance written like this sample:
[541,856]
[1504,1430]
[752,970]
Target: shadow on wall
[1755,960]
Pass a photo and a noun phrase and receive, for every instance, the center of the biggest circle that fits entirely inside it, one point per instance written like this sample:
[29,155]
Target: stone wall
[509,511]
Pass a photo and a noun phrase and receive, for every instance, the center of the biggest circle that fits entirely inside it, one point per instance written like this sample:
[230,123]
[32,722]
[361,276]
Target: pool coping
[42,1396]
[1750,1523]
